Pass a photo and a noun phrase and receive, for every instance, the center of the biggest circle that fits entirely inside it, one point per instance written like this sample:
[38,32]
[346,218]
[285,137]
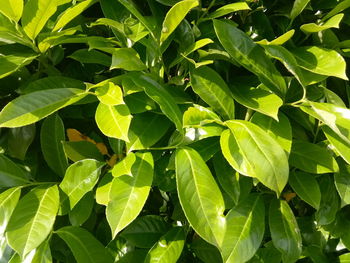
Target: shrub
[174,131]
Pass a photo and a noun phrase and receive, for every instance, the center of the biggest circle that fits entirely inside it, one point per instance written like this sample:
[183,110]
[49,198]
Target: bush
[174,131]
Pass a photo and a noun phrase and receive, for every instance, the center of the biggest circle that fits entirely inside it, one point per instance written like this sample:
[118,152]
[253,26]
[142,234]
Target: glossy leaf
[77,151]
[80,178]
[279,40]
[33,219]
[91,56]
[306,187]
[213,90]
[129,193]
[342,183]
[169,247]
[200,196]
[245,230]
[32,107]
[8,202]
[174,17]
[85,247]
[12,9]
[298,7]
[252,152]
[249,55]
[11,174]
[331,23]
[284,229]
[229,8]
[113,121]
[109,94]
[82,210]
[128,59]
[19,140]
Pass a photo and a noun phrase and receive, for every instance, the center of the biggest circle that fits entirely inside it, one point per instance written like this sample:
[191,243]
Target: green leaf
[103,189]
[211,88]
[174,17]
[331,23]
[306,187]
[312,158]
[42,253]
[252,152]
[337,9]
[85,247]
[35,15]
[249,55]
[12,9]
[245,230]
[19,139]
[169,247]
[285,232]
[145,231]
[230,8]
[321,61]
[258,98]
[197,116]
[13,62]
[77,151]
[79,179]
[129,192]
[51,137]
[81,212]
[33,219]
[91,56]
[30,108]
[279,40]
[298,7]
[70,13]
[128,59]
[8,202]
[145,130]
[200,196]
[109,94]
[11,174]
[342,183]
[113,121]
[345,258]
[205,251]
[161,96]
[280,130]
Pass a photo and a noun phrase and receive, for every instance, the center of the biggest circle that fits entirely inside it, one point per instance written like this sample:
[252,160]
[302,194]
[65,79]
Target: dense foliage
[174,131]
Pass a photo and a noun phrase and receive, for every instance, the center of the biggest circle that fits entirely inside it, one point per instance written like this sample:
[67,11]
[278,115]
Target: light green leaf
[258,98]
[70,13]
[298,7]
[109,94]
[91,56]
[103,189]
[245,230]
[279,40]
[226,9]
[174,17]
[113,121]
[211,88]
[253,152]
[345,258]
[337,9]
[312,158]
[169,247]
[12,9]
[11,174]
[281,131]
[146,129]
[306,187]
[285,232]
[12,62]
[145,231]
[128,59]
[160,95]
[85,247]
[331,23]
[342,183]
[33,219]
[8,202]
[197,116]
[129,193]
[51,137]
[30,108]
[249,55]
[321,61]
[200,196]
[35,15]
[79,179]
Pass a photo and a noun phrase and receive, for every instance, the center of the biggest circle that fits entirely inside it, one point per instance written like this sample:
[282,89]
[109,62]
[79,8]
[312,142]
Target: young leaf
[245,230]
[252,152]
[79,179]
[11,174]
[174,17]
[109,94]
[32,219]
[211,88]
[30,108]
[8,202]
[168,249]
[250,55]
[113,121]
[51,137]
[200,196]
[331,23]
[230,8]
[85,247]
[285,232]
[12,9]
[129,193]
